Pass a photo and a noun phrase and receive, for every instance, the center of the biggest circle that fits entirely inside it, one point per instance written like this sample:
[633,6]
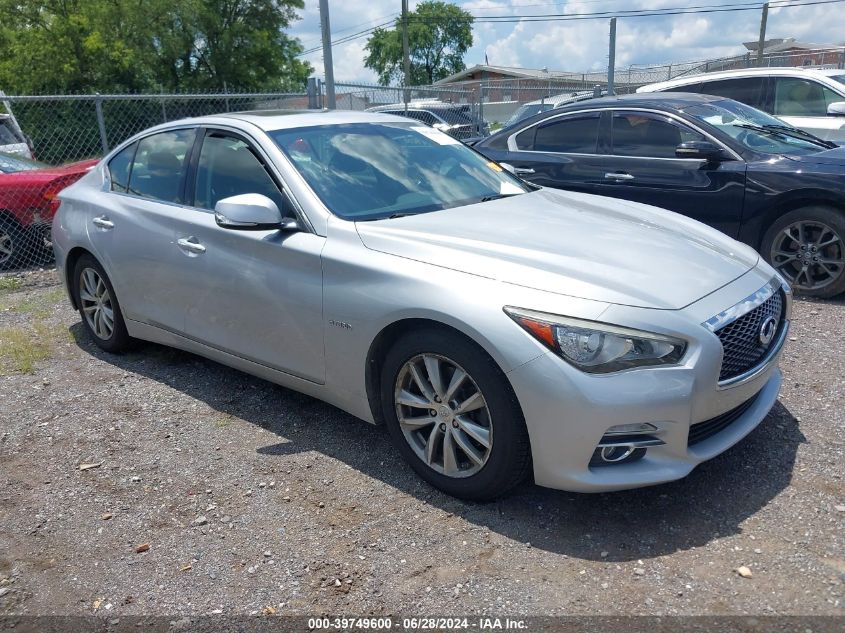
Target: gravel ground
[244,495]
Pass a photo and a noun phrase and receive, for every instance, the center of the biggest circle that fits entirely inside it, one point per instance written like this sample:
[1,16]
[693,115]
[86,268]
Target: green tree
[439,35]
[64,46]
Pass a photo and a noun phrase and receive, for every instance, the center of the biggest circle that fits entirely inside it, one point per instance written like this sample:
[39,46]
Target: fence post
[480,108]
[101,123]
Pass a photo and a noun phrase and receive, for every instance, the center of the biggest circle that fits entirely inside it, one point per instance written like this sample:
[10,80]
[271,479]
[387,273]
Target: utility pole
[762,41]
[405,54]
[326,29]
[611,57]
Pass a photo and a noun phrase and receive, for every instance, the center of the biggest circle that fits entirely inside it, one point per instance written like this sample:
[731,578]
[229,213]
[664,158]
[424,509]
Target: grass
[10,284]
[38,305]
[21,348]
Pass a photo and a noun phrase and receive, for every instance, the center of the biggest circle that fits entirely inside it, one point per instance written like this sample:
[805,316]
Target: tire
[788,246]
[110,335]
[13,243]
[494,470]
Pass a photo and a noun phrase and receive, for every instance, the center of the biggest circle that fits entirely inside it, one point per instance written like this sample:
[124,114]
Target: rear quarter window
[119,168]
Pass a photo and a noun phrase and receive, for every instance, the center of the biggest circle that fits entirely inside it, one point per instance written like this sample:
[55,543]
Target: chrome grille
[741,338]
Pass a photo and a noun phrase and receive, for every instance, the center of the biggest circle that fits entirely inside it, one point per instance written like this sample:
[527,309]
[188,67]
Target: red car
[27,193]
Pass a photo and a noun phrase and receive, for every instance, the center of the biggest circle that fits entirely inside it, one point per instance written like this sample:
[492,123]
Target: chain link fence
[49,142]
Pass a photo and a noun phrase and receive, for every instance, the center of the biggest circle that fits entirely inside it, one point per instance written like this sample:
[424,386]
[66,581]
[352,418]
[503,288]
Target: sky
[576,46]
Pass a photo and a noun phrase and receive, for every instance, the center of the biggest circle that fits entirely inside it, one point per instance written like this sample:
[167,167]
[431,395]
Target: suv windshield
[754,129]
[371,171]
[840,79]
[527,110]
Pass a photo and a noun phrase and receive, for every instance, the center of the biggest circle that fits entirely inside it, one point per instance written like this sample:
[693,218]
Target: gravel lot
[250,496]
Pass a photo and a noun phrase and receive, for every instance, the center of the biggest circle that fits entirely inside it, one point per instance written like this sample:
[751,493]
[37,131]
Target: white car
[809,99]
[12,139]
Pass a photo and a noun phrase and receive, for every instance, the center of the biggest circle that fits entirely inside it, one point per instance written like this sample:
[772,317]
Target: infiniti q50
[497,329]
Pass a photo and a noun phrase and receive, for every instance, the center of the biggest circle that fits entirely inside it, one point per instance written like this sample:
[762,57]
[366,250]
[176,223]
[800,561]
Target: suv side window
[802,97]
[229,167]
[576,134]
[747,90]
[119,168]
[649,135]
[159,165]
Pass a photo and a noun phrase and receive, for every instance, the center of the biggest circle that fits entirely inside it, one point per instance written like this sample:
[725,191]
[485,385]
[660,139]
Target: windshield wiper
[497,196]
[784,130]
[794,131]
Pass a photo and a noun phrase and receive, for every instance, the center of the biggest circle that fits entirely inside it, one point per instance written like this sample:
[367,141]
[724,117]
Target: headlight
[598,348]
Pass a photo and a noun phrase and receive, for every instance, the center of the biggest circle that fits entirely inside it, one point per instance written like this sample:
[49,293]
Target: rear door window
[747,90]
[575,134]
[158,169]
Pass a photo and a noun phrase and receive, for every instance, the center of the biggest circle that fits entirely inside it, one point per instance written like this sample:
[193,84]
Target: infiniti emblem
[767,331]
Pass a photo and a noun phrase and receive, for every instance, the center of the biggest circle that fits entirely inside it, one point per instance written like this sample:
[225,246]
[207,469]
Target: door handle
[190,245]
[523,171]
[103,222]
[618,176]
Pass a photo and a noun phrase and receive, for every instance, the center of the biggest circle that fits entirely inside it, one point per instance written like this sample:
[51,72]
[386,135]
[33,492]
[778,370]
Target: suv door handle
[190,245]
[618,176]
[523,171]
[103,222]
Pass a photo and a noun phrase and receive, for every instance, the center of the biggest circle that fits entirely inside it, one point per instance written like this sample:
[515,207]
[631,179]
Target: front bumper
[568,412]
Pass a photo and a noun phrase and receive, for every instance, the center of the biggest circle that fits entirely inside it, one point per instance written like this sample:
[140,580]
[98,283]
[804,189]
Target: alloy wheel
[443,415]
[809,254]
[96,303]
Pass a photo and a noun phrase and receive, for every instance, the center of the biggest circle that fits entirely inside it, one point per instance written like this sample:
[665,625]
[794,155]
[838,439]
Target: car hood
[573,244]
[835,156]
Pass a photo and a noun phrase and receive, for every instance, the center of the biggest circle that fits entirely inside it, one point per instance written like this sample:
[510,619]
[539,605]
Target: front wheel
[807,246]
[453,415]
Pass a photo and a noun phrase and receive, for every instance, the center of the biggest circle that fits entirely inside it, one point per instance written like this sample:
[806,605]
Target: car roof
[419,105]
[795,71]
[667,100]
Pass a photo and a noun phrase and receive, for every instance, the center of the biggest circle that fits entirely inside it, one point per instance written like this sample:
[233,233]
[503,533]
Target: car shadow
[712,502]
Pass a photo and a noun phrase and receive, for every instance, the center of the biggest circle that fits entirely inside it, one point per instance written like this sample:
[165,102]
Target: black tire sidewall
[832,217]
[509,460]
[18,235]
[120,339]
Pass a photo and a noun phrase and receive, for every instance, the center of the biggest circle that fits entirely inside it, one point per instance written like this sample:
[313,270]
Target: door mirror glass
[837,108]
[702,150]
[250,212]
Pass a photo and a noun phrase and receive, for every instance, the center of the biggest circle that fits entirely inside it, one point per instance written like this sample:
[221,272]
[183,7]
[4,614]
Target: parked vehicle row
[497,328]
[28,192]
[774,187]
[457,120]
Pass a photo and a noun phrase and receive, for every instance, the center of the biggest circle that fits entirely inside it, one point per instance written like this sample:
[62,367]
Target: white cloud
[577,45]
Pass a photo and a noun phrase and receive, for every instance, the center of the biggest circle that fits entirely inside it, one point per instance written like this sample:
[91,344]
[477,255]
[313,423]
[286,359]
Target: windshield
[840,79]
[371,171]
[529,109]
[10,164]
[736,120]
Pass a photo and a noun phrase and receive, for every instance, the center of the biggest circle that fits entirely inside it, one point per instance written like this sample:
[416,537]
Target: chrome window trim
[513,148]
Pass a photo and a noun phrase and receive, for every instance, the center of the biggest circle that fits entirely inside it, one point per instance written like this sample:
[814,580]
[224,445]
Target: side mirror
[837,108]
[702,150]
[248,212]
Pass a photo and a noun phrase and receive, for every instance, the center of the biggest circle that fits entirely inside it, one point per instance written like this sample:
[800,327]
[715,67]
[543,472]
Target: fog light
[631,429]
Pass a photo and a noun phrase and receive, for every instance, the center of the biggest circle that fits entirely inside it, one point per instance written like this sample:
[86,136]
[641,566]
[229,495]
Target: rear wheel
[12,243]
[98,305]
[807,246]
[453,415]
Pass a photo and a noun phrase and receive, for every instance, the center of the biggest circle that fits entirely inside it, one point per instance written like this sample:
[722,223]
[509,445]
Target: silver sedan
[497,329]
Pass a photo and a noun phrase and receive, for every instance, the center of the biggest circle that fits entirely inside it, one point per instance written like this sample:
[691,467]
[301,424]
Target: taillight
[51,192]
